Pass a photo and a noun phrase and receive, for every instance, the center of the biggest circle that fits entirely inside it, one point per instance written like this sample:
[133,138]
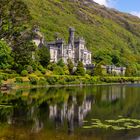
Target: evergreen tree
[15,29]
[14,19]
[66,70]
[98,70]
[70,66]
[5,56]
[80,69]
[23,55]
[44,56]
[61,63]
[130,71]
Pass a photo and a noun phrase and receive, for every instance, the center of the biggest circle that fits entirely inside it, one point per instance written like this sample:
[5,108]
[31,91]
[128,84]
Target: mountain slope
[112,36]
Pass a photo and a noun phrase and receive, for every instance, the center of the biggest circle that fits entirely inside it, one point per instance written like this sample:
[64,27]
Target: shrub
[29,69]
[1,77]
[62,81]
[98,71]
[38,73]
[51,66]
[33,79]
[88,72]
[9,71]
[43,71]
[80,69]
[19,80]
[48,73]
[70,66]
[10,76]
[61,63]
[42,81]
[24,73]
[52,80]
[66,70]
[5,77]
[0,80]
[58,71]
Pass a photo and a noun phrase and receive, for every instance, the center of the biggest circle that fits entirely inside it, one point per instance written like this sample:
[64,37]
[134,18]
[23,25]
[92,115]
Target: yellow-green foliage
[113,37]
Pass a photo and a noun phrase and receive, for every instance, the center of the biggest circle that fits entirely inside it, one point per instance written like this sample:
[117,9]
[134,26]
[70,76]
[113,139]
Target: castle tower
[71,38]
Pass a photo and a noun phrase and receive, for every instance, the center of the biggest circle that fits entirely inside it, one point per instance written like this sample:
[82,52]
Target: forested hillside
[112,36]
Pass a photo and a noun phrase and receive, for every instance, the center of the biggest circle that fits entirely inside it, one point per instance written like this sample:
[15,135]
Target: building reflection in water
[112,93]
[71,112]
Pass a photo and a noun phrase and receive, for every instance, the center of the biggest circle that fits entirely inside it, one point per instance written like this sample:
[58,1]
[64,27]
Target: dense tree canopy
[5,56]
[14,19]
[16,31]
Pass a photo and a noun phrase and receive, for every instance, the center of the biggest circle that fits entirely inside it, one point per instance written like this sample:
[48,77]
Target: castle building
[74,50]
[112,69]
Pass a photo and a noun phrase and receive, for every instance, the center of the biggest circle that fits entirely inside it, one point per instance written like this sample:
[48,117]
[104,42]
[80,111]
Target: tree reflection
[56,108]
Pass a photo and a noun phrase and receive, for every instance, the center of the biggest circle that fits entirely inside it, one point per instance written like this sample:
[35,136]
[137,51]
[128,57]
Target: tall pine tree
[80,69]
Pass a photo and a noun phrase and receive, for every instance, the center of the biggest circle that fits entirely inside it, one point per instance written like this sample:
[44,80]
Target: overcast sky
[129,6]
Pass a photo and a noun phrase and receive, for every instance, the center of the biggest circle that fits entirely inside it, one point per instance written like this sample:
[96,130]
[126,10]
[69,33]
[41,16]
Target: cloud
[108,3]
[102,2]
[136,13]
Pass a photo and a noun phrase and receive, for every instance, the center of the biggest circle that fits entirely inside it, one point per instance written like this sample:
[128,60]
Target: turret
[71,37]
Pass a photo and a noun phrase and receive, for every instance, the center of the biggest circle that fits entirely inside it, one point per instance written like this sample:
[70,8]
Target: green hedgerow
[33,79]
[19,80]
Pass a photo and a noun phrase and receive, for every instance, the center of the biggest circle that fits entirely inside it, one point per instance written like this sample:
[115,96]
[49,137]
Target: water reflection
[72,111]
[35,108]
[113,93]
[65,109]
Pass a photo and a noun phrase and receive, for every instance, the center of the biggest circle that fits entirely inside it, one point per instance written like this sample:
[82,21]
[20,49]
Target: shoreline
[30,86]
[64,81]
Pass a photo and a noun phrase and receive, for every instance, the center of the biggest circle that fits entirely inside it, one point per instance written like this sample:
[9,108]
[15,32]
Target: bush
[42,81]
[80,69]
[38,73]
[1,77]
[66,70]
[58,71]
[24,73]
[5,77]
[51,66]
[29,69]
[0,80]
[61,63]
[33,79]
[51,80]
[62,81]
[43,71]
[19,80]
[98,71]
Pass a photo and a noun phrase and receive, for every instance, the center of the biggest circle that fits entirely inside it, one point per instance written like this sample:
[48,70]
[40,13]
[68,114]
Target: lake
[71,113]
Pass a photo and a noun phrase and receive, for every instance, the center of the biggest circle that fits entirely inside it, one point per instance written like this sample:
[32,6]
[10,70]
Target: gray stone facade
[74,50]
[112,69]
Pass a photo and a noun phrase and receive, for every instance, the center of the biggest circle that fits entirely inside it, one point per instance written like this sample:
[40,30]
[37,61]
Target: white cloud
[102,2]
[108,3]
[136,13]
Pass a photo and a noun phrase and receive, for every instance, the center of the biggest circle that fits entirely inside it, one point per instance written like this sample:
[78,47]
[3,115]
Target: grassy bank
[62,80]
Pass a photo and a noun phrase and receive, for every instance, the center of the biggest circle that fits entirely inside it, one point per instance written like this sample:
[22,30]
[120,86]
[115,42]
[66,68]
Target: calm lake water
[72,113]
